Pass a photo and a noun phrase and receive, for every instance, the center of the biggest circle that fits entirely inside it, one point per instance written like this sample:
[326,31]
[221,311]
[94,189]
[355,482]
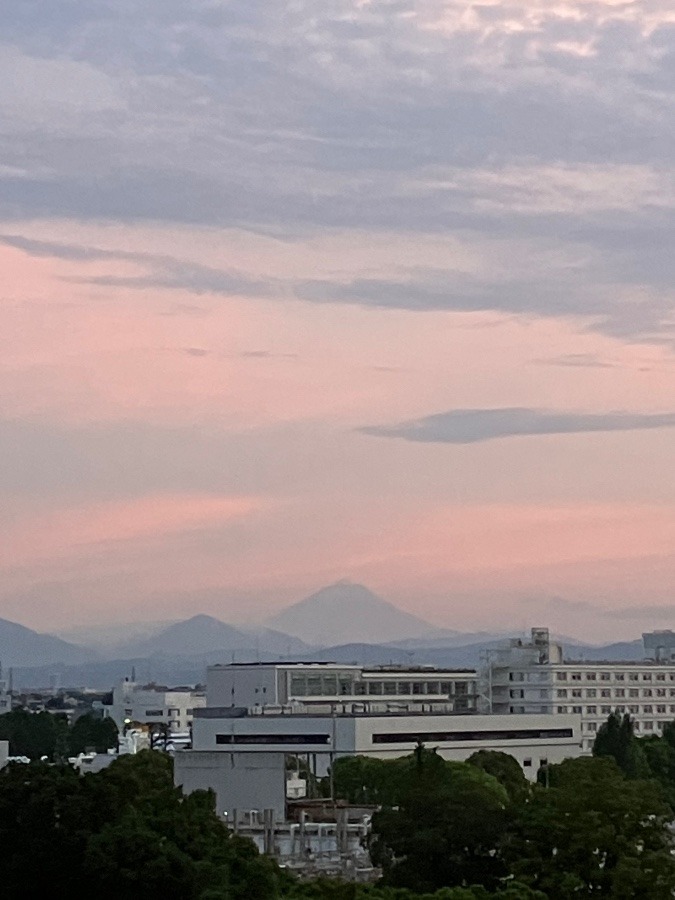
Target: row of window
[649,709]
[396,737]
[615,676]
[618,692]
[346,686]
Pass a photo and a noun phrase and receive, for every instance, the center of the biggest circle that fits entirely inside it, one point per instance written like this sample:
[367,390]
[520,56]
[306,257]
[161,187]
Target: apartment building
[533,678]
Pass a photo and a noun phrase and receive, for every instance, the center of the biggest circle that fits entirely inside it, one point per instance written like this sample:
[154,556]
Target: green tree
[122,833]
[33,734]
[505,768]
[593,832]
[445,829]
[616,739]
[92,732]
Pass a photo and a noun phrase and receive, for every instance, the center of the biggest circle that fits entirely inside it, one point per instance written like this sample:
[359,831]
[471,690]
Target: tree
[593,832]
[445,829]
[91,732]
[505,768]
[120,834]
[32,734]
[616,739]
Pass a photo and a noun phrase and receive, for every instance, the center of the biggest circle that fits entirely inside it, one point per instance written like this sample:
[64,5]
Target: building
[152,704]
[245,749]
[5,694]
[252,685]
[531,677]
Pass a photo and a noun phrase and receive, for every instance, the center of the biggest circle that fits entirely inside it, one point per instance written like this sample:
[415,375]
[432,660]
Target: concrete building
[252,685]
[531,677]
[245,751]
[152,704]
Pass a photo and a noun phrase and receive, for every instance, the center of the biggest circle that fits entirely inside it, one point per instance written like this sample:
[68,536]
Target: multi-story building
[529,677]
[268,685]
[263,721]
[150,704]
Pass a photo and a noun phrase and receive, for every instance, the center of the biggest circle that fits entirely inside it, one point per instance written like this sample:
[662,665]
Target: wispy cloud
[470,426]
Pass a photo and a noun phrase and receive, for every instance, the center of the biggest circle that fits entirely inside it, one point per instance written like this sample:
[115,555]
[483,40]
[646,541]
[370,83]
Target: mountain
[346,613]
[196,635]
[21,646]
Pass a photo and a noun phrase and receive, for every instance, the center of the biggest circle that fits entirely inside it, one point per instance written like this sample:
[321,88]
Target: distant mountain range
[345,623]
[20,645]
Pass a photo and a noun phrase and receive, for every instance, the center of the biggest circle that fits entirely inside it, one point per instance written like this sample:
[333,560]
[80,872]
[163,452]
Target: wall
[241,685]
[241,781]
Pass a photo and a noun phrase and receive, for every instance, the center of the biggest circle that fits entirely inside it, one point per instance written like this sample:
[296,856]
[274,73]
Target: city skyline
[380,291]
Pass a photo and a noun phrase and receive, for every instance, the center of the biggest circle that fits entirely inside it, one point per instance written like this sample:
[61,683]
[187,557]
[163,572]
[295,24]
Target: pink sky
[212,286]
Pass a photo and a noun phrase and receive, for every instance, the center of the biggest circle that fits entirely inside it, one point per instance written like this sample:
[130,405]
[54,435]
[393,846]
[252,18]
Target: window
[562,710]
[150,713]
[403,688]
[633,676]
[647,692]
[516,676]
[661,677]
[329,685]
[561,676]
[563,693]
[576,676]
[672,709]
[660,692]
[646,677]
[516,695]
[634,710]
[591,710]
[174,712]
[576,693]
[527,763]
[272,739]
[591,726]
[505,734]
[620,692]
[576,710]
[605,676]
[633,692]
[605,710]
[661,710]
[620,676]
[590,676]
[648,726]
[591,692]
[647,709]
[543,761]
[375,688]
[605,692]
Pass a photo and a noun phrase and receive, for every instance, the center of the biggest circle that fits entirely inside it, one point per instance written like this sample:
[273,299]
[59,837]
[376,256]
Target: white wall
[241,781]
[241,685]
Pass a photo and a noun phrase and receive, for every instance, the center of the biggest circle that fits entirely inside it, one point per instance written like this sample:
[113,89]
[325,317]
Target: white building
[151,704]
[254,685]
[243,749]
[532,678]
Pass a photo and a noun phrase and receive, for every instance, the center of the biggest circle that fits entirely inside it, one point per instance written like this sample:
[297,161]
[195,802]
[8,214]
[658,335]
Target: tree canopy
[120,834]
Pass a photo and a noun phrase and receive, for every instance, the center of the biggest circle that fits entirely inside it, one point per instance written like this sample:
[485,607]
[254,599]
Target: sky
[378,290]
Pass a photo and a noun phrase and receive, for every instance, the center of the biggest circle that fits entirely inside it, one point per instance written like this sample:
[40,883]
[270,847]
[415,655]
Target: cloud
[470,426]
[577,361]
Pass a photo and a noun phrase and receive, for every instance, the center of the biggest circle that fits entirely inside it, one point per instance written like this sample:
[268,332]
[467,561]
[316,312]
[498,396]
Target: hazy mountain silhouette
[346,613]
[21,646]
